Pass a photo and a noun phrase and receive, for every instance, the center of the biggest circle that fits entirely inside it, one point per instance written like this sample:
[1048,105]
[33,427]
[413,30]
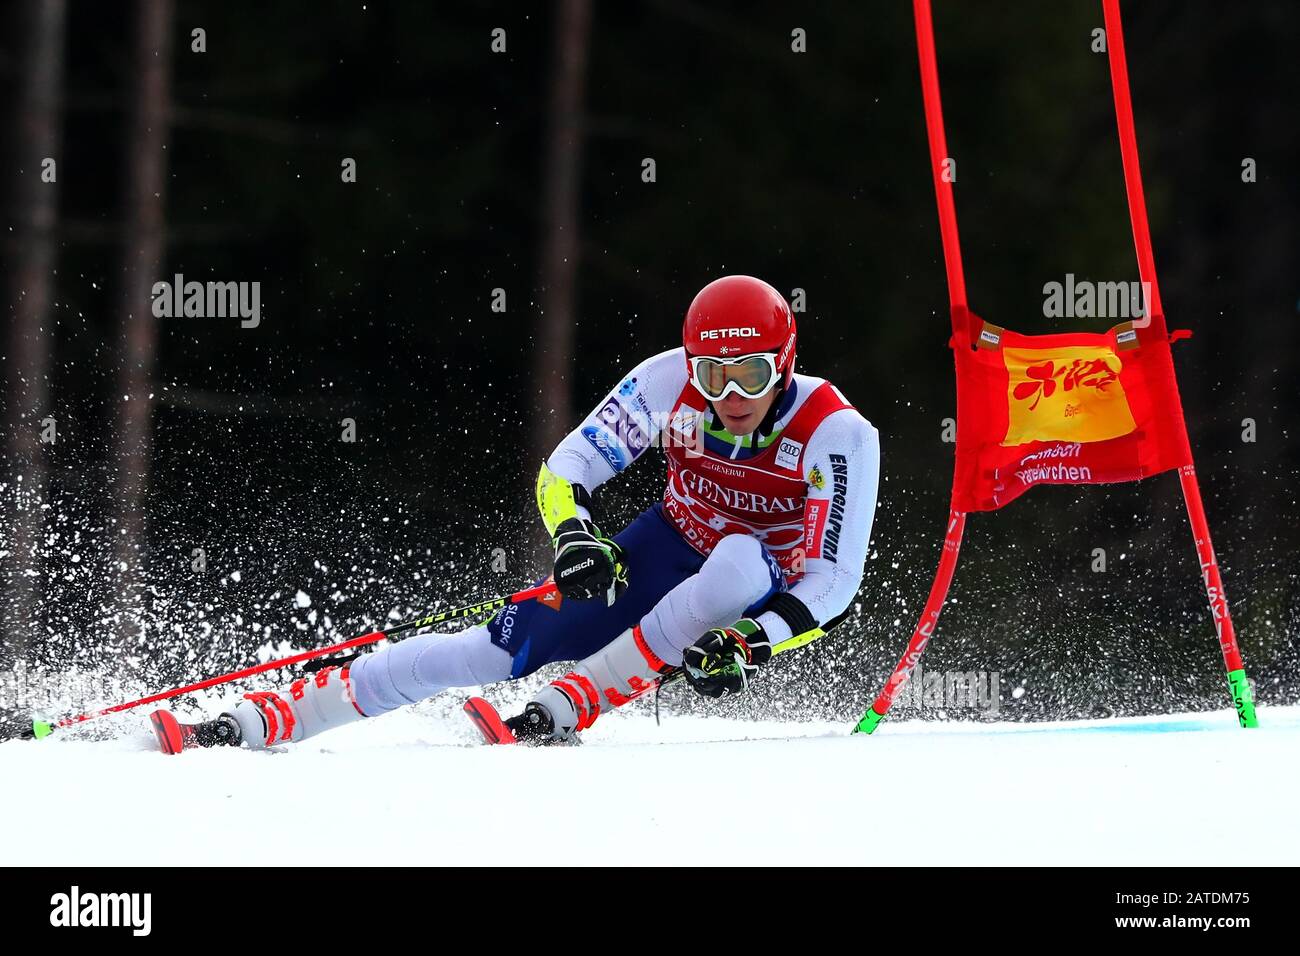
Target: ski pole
[544,592]
[789,644]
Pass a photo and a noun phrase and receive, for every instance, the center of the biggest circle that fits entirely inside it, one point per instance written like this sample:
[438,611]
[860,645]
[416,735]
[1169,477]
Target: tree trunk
[35,209]
[142,265]
[552,372]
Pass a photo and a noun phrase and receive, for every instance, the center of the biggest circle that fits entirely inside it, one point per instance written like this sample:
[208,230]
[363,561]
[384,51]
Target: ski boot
[533,728]
[173,736]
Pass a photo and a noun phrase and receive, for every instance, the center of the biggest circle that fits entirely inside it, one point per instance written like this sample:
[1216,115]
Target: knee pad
[737,576]
[749,569]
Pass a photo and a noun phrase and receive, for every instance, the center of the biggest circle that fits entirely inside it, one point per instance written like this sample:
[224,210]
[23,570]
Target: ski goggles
[750,376]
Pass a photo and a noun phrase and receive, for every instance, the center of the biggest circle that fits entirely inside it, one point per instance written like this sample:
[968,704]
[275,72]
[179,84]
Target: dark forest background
[522,170]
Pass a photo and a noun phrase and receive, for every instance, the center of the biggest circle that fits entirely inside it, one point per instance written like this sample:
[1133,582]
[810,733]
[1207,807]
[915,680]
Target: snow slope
[410,788]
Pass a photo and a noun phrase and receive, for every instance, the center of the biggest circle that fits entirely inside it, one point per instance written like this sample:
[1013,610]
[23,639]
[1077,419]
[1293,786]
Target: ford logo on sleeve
[610,448]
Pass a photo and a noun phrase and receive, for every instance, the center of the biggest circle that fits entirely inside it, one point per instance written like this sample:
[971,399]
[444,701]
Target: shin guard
[619,672]
[314,703]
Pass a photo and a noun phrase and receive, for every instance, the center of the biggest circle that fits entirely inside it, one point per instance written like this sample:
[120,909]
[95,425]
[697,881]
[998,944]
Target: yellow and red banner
[1077,408]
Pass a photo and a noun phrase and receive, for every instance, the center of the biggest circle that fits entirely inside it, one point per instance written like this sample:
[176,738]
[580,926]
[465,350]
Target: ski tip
[489,723]
[168,731]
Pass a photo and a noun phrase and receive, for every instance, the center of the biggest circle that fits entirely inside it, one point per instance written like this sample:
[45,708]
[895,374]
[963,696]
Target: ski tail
[489,723]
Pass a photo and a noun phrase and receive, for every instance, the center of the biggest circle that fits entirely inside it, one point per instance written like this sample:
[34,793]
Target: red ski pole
[545,592]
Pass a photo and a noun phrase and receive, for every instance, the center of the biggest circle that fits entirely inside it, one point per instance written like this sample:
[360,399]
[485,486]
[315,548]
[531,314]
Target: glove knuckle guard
[586,565]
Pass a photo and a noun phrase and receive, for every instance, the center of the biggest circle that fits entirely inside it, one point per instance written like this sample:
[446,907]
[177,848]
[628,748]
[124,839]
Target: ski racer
[761,535]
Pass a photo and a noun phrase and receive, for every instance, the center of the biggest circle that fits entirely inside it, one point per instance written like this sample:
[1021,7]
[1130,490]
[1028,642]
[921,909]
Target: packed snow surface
[413,787]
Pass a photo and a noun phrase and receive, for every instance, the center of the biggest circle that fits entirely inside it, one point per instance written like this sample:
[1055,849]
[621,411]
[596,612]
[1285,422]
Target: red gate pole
[1238,685]
[943,193]
[924,627]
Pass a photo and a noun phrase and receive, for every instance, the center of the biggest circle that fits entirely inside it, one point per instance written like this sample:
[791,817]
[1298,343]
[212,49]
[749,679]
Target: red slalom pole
[960,316]
[939,156]
[545,592]
[1238,685]
[1243,700]
[924,627]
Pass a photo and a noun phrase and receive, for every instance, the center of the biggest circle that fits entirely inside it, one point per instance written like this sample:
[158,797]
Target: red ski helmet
[740,315]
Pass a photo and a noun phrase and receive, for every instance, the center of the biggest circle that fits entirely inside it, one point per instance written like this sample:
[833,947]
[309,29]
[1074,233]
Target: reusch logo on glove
[578,567]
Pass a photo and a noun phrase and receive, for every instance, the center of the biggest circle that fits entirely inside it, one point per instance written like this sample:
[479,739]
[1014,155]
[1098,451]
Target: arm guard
[558,499]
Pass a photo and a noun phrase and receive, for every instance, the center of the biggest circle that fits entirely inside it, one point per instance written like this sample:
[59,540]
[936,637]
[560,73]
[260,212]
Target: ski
[489,723]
